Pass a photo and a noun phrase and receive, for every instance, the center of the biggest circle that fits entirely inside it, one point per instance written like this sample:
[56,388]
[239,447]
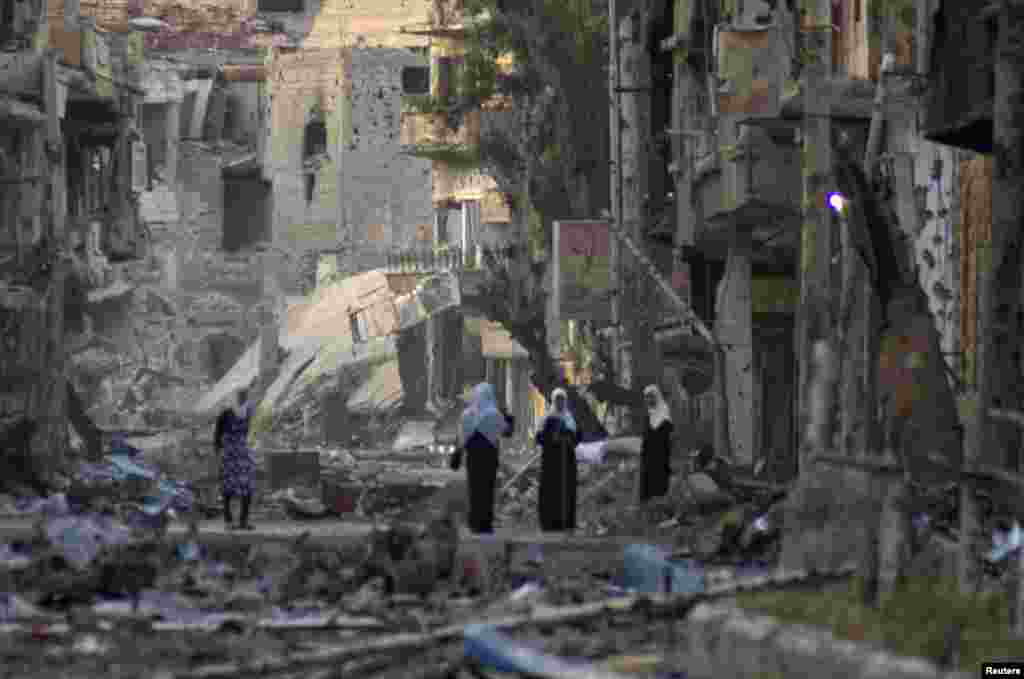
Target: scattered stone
[706,493]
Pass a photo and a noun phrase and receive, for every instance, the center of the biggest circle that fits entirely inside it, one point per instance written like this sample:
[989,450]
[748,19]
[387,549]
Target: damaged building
[70,172]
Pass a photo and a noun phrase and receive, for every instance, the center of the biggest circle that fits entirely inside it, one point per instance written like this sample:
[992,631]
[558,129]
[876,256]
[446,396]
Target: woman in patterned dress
[231,440]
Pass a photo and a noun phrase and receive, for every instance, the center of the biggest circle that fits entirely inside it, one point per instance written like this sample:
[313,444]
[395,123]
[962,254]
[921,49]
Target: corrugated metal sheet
[976,224]
[244,72]
[327,314]
[498,343]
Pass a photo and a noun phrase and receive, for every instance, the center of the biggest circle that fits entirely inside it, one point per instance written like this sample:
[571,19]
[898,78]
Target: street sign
[582,268]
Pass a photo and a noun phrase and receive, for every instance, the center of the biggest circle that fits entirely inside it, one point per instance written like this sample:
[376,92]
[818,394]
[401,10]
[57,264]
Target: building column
[269,345]
[452,363]
[435,336]
[734,329]
[172,139]
[464,235]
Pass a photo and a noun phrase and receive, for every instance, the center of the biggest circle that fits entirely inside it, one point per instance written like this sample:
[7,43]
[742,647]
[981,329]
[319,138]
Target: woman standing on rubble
[558,438]
[231,440]
[482,425]
[656,450]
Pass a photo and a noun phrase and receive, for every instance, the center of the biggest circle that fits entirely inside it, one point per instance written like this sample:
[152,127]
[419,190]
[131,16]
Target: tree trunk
[1000,290]
[686,217]
[816,246]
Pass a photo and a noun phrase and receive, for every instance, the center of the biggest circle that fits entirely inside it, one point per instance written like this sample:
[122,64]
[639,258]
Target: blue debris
[490,648]
[128,468]
[80,539]
[1005,544]
[650,569]
[120,446]
[189,551]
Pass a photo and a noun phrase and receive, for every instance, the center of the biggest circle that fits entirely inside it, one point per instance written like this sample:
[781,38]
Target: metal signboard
[582,268]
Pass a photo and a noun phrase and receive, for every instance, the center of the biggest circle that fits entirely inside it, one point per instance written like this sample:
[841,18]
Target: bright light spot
[837,202]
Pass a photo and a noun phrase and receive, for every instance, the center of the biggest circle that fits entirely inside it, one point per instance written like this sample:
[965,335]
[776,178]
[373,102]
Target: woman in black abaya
[558,438]
[482,425]
[657,446]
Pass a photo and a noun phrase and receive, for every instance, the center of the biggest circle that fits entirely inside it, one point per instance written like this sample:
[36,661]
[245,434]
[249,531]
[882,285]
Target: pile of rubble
[90,587]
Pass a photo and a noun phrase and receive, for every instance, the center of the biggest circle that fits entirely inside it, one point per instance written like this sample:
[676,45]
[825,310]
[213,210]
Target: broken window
[314,145]
[442,225]
[314,139]
[416,80]
[280,5]
[18,20]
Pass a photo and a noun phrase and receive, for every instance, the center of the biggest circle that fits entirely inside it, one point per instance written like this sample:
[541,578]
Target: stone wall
[304,220]
[363,181]
[388,195]
[724,641]
[193,310]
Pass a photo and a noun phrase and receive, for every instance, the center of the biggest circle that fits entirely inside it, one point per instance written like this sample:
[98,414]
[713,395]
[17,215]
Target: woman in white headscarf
[657,446]
[558,438]
[482,425]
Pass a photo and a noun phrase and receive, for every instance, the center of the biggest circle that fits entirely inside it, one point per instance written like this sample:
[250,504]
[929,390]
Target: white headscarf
[483,415]
[659,413]
[565,414]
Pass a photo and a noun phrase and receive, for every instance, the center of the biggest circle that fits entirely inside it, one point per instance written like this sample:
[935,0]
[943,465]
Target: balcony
[755,186]
[419,128]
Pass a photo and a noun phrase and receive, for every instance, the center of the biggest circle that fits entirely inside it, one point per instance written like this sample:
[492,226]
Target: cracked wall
[364,186]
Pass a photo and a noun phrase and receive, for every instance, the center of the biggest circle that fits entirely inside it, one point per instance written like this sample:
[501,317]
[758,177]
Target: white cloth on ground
[592,453]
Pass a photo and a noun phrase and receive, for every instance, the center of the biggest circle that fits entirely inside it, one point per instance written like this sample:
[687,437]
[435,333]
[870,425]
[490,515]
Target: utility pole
[615,130]
[813,324]
[639,353]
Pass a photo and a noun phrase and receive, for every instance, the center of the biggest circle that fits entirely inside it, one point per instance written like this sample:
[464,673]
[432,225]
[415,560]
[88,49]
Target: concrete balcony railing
[432,129]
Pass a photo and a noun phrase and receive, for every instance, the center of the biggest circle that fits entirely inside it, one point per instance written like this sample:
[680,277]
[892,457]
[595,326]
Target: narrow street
[473,339]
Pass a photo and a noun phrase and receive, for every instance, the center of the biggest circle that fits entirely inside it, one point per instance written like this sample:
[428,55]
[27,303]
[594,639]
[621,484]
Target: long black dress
[558,473]
[655,454]
[482,477]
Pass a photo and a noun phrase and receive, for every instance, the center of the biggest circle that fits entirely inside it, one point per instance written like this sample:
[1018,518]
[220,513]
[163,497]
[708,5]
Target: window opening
[416,80]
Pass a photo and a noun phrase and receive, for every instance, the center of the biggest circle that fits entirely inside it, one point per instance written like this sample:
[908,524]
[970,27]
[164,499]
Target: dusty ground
[305,578]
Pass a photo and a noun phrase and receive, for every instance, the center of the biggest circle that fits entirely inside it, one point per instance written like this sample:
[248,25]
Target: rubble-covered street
[116,561]
[125,572]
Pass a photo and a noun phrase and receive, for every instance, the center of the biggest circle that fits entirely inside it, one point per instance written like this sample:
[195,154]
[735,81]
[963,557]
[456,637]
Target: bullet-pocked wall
[335,156]
[388,194]
[307,107]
